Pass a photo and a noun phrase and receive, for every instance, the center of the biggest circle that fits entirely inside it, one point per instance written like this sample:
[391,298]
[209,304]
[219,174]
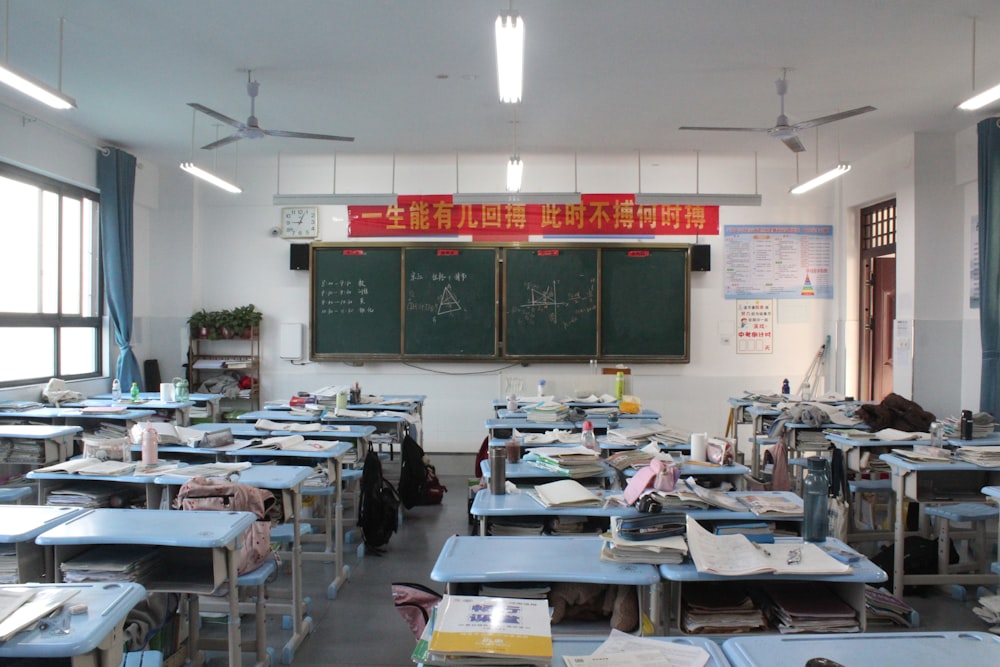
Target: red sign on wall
[596,215]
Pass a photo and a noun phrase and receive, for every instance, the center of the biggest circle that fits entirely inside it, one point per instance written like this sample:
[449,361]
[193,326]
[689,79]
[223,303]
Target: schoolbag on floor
[378,509]
[418,480]
[414,603]
[219,494]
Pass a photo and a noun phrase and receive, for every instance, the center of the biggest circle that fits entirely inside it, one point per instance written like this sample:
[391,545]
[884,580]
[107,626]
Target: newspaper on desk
[40,603]
[621,649]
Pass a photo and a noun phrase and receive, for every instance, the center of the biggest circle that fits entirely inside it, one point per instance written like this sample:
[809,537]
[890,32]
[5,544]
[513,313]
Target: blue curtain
[116,181]
[989,263]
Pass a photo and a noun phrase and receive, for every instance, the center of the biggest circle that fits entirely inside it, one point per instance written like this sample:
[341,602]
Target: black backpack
[378,509]
[418,481]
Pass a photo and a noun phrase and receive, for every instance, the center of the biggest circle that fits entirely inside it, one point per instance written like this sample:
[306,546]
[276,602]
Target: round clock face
[301,222]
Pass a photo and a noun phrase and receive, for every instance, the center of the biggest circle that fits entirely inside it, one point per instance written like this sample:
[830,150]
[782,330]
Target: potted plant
[227,323]
[200,323]
[246,319]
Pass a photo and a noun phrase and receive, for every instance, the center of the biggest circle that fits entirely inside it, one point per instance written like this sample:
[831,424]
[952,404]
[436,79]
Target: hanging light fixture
[825,177]
[31,87]
[515,167]
[510,56]
[979,100]
[205,175]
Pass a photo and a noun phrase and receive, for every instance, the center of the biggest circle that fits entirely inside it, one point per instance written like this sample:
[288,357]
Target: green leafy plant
[201,324]
[245,318]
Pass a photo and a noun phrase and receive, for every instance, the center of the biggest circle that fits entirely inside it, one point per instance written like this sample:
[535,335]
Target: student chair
[978,514]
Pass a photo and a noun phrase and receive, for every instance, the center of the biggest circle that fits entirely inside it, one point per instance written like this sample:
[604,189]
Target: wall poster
[778,261]
[754,326]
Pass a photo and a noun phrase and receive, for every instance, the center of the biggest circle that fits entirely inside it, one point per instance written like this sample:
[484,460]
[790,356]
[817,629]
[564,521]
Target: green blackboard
[550,302]
[450,307]
[644,303]
[356,297]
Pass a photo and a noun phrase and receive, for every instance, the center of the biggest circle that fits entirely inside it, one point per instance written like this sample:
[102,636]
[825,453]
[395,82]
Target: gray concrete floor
[362,628]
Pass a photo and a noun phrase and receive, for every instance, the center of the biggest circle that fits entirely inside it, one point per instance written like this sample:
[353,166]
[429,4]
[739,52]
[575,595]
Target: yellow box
[630,404]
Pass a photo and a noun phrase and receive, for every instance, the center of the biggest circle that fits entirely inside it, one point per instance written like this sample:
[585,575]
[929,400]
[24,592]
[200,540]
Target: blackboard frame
[601,352]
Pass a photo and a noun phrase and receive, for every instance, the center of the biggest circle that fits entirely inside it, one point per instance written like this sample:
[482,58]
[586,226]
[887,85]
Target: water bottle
[786,389]
[150,442]
[182,393]
[937,434]
[512,403]
[965,430]
[619,386]
[116,390]
[541,387]
[134,392]
[498,470]
[815,520]
[612,419]
[588,438]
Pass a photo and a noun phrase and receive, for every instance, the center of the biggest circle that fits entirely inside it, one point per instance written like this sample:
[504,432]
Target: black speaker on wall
[701,257]
[298,257]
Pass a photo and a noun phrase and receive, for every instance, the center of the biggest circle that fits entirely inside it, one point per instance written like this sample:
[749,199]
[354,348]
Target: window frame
[58,321]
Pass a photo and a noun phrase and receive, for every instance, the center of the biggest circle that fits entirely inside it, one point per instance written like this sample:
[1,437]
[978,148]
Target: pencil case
[651,527]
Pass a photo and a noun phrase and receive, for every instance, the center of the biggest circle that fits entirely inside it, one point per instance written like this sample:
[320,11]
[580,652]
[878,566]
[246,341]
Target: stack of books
[987,457]
[506,526]
[575,462]
[478,630]
[117,562]
[620,549]
[547,411]
[793,608]
[882,606]
[719,607]
[565,493]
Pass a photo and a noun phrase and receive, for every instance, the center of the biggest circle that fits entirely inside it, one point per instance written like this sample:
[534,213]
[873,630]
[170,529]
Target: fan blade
[822,120]
[794,144]
[306,135]
[215,114]
[727,129]
[236,136]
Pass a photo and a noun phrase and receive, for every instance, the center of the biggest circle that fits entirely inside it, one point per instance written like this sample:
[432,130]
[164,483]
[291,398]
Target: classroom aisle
[362,628]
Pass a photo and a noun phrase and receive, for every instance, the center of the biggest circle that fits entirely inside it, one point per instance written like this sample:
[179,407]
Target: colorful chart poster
[779,261]
[754,326]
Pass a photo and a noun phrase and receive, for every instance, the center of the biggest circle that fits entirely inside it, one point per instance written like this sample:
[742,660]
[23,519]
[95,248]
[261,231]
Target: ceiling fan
[788,133]
[252,129]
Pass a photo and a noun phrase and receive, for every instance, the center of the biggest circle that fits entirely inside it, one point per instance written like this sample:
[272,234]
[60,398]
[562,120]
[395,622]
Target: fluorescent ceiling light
[839,170]
[36,89]
[695,199]
[982,99]
[510,57]
[562,198]
[349,198]
[190,168]
[515,169]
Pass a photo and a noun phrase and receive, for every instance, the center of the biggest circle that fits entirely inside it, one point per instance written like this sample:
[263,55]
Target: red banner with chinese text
[596,215]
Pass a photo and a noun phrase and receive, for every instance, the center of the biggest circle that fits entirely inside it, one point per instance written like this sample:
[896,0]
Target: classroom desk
[849,587]
[280,416]
[541,558]
[94,638]
[522,471]
[486,505]
[709,474]
[55,442]
[14,494]
[600,420]
[178,412]
[197,551]
[20,526]
[50,481]
[210,401]
[286,479]
[395,425]
[61,416]
[877,649]
[935,483]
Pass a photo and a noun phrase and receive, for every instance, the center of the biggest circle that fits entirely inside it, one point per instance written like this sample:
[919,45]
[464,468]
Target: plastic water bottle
[541,387]
[619,386]
[588,438]
[785,387]
[134,392]
[116,390]
[150,445]
[815,520]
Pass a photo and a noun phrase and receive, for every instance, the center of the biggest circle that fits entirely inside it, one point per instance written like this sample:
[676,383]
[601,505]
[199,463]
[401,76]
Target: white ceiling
[418,76]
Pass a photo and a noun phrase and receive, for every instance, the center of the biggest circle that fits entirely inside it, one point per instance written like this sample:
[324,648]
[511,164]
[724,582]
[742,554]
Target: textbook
[295,443]
[508,631]
[565,493]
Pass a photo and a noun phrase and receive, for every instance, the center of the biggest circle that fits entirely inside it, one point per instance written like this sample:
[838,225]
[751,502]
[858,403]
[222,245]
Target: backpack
[220,494]
[418,480]
[378,508]
[414,603]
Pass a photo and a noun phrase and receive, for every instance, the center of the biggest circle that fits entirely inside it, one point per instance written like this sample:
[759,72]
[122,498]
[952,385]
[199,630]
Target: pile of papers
[507,526]
[8,563]
[549,437]
[924,453]
[294,443]
[719,607]
[624,650]
[881,605]
[477,630]
[987,457]
[575,462]
[547,411]
[989,610]
[22,450]
[794,608]
[641,434]
[565,493]
[659,550]
[117,562]
[85,494]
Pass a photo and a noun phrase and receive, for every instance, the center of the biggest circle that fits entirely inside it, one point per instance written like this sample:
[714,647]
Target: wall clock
[299,222]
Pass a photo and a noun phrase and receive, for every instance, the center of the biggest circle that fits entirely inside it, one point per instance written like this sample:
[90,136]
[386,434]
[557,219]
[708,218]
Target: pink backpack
[414,603]
[219,494]
[660,475]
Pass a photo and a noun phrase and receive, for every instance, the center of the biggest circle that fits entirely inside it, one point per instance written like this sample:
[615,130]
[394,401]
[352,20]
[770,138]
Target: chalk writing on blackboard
[546,302]
[345,297]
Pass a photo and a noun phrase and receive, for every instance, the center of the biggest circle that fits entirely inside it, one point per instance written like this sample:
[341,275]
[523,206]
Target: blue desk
[197,554]
[14,494]
[280,416]
[994,493]
[867,650]
[55,443]
[287,480]
[20,526]
[522,471]
[352,432]
[935,483]
[95,638]
[583,645]
[395,426]
[210,401]
[542,558]
[486,505]
[178,412]
[62,416]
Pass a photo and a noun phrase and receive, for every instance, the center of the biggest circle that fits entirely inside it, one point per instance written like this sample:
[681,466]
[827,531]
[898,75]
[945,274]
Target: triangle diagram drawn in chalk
[448,303]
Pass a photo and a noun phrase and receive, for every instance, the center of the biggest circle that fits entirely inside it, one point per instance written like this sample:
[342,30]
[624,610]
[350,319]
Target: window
[51,301]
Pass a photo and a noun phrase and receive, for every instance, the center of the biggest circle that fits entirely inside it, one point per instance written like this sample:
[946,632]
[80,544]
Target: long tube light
[510,57]
[208,176]
[515,169]
[837,171]
[982,99]
[36,89]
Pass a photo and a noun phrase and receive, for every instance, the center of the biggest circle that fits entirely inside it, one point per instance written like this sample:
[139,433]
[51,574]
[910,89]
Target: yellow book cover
[491,626]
